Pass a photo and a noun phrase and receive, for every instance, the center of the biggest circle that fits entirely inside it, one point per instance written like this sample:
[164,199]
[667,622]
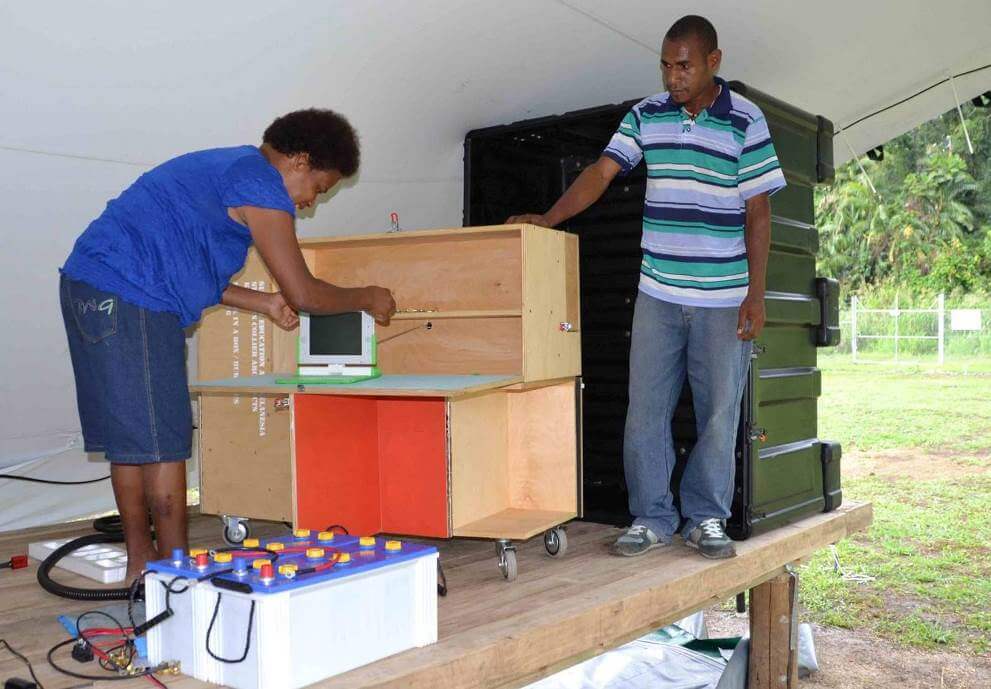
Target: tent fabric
[95,93]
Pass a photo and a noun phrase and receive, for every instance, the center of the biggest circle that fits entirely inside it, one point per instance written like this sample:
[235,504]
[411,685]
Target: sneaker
[637,540]
[710,539]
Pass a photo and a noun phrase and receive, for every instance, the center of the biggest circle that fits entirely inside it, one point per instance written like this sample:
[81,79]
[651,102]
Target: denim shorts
[130,370]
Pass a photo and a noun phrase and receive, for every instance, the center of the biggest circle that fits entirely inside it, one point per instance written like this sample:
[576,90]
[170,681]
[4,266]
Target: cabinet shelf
[477,313]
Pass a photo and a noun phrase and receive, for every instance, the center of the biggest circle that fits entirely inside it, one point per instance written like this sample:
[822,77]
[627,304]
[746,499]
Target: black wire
[338,526]
[914,95]
[27,662]
[247,639]
[92,678]
[14,477]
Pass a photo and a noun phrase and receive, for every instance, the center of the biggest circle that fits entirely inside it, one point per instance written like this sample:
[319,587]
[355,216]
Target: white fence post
[941,328]
[896,327]
[853,326]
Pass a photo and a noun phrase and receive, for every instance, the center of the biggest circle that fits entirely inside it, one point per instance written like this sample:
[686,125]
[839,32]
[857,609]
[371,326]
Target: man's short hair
[694,25]
[323,135]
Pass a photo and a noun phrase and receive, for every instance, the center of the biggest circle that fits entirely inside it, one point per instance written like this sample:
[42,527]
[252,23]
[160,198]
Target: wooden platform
[492,633]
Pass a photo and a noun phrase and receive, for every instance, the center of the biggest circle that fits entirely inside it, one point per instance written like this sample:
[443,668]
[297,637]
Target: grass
[882,407]
[928,550]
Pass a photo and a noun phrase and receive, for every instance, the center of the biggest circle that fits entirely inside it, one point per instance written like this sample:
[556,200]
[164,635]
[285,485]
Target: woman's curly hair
[326,137]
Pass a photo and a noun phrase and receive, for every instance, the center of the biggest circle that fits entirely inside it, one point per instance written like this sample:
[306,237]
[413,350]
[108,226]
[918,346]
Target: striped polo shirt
[699,175]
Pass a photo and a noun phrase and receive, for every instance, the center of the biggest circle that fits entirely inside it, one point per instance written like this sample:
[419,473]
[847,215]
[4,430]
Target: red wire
[101,631]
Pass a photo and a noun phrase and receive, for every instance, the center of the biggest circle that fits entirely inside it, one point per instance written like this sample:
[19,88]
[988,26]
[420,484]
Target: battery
[292,612]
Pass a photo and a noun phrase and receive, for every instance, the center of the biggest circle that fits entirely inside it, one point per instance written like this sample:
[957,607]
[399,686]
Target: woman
[161,253]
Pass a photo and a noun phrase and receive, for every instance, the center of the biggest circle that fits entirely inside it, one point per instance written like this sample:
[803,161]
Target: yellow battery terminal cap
[222,557]
[394,546]
[314,553]
[366,541]
[343,558]
[193,552]
[276,546]
[301,533]
[325,536]
[288,570]
[257,564]
[250,543]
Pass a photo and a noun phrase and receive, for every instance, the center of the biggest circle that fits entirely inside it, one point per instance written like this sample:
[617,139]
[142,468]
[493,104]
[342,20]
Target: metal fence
[874,332]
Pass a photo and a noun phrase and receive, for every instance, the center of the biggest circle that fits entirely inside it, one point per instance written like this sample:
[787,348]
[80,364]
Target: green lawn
[882,407]
[929,548]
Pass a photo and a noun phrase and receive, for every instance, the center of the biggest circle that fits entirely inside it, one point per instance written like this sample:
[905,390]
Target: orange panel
[337,472]
[413,466]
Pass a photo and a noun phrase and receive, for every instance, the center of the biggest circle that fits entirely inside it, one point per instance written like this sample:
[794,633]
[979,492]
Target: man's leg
[657,373]
[718,363]
[165,488]
[129,492]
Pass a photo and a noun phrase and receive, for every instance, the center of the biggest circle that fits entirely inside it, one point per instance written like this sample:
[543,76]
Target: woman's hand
[280,312]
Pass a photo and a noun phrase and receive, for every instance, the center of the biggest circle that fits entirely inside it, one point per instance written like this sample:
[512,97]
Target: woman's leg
[165,491]
[129,491]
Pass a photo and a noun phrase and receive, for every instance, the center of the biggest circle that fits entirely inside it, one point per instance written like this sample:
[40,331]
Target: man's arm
[757,236]
[275,238]
[586,190]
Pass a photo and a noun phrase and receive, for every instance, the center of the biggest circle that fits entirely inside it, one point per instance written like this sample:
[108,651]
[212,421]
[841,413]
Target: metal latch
[757,433]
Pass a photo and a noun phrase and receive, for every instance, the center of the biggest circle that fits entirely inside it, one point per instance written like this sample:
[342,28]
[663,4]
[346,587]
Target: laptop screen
[336,335]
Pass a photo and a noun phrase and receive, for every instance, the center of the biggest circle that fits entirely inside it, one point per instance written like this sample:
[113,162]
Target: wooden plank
[477,313]
[479,437]
[245,466]
[451,234]
[771,630]
[452,386]
[451,346]
[542,461]
[443,273]
[514,524]
[548,350]
[759,660]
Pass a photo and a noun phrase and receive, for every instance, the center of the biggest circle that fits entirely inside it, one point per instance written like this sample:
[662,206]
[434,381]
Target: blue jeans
[129,365]
[670,341]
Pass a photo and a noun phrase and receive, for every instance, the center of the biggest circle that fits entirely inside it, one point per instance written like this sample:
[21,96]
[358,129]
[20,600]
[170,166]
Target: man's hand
[280,312]
[752,317]
[380,304]
[529,219]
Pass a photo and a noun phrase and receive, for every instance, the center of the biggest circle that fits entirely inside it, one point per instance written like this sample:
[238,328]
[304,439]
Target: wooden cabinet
[473,429]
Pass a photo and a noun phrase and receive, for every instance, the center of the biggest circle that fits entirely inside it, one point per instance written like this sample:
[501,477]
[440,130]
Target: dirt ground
[859,660]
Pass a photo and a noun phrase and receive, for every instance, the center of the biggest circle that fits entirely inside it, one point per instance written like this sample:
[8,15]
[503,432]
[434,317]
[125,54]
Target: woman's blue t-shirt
[167,243]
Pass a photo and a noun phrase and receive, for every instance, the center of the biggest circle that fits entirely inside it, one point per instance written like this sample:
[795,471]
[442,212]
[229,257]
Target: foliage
[928,228]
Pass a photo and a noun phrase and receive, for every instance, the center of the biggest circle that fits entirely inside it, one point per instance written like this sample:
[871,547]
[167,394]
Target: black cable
[247,639]
[3,642]
[914,95]
[111,524]
[47,583]
[15,477]
[338,526]
[91,678]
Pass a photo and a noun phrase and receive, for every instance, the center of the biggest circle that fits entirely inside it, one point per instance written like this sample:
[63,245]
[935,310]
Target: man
[706,231]
[161,253]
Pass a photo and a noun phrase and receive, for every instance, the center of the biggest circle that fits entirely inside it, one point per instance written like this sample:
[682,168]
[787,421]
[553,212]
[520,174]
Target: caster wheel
[556,542]
[235,531]
[507,565]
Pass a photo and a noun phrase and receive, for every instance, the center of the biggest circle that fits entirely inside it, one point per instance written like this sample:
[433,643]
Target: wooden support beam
[773,662]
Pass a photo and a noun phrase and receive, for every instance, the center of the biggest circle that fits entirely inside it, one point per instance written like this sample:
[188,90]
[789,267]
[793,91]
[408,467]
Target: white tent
[94,93]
